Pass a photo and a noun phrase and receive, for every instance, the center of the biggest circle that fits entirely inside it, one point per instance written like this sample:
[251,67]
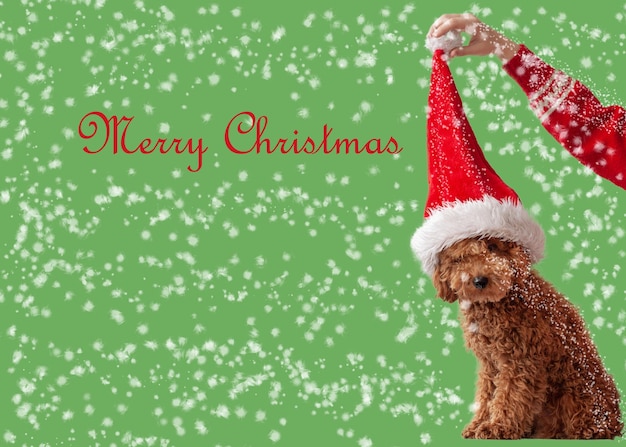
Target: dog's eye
[492,247]
[456,261]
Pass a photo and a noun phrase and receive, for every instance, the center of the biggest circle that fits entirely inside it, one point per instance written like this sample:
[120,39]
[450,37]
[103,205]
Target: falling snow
[267,298]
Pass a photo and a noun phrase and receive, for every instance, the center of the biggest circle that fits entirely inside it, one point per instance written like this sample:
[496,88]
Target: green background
[267,299]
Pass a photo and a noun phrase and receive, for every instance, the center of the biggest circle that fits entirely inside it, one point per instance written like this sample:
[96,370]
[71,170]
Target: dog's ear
[440,282]
[520,256]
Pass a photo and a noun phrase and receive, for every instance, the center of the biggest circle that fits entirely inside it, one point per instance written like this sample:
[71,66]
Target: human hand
[484,40]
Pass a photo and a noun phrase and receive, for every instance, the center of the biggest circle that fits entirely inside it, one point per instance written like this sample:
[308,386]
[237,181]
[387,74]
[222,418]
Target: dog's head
[480,269]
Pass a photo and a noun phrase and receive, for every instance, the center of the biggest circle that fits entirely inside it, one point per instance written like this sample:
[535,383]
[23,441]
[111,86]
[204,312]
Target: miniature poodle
[540,374]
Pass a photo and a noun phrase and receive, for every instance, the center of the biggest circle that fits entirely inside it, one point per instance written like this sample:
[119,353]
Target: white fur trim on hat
[487,217]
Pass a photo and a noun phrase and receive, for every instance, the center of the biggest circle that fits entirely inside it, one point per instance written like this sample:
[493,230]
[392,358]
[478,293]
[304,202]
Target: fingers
[484,39]
[456,22]
[460,22]
[437,23]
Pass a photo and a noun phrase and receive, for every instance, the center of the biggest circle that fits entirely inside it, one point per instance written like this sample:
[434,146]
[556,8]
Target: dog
[540,375]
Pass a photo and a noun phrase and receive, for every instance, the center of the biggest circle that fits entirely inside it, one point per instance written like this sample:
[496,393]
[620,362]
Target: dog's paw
[469,432]
[496,431]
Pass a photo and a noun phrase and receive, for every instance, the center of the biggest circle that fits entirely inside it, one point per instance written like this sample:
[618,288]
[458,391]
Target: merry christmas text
[245,126]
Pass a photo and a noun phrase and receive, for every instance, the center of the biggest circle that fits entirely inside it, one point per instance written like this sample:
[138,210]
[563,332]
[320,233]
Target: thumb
[458,51]
[473,49]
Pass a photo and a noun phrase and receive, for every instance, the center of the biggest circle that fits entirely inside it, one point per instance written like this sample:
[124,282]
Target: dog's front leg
[484,393]
[520,389]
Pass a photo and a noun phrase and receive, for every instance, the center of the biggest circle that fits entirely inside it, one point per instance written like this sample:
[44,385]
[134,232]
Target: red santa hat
[466,197]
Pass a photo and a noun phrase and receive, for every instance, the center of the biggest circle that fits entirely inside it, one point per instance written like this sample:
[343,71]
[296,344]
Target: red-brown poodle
[540,374]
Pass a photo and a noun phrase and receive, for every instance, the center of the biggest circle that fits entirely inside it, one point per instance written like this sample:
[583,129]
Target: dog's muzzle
[480,282]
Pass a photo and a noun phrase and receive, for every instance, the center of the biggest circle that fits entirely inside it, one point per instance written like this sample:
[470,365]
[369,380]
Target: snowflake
[365,60]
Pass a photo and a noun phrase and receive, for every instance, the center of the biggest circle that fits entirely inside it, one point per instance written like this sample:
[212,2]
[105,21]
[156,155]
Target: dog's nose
[480,282]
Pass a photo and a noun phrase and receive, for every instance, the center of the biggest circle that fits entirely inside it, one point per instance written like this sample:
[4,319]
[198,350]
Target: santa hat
[466,197]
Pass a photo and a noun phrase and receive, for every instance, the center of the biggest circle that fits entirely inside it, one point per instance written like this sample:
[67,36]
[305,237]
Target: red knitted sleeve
[594,134]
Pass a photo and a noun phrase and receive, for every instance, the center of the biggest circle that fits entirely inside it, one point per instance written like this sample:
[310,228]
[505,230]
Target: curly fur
[540,374]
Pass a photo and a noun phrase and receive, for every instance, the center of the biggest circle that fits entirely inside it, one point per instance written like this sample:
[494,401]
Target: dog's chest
[485,324]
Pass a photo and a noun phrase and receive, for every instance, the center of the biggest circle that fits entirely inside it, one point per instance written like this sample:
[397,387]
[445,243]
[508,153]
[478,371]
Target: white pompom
[450,40]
